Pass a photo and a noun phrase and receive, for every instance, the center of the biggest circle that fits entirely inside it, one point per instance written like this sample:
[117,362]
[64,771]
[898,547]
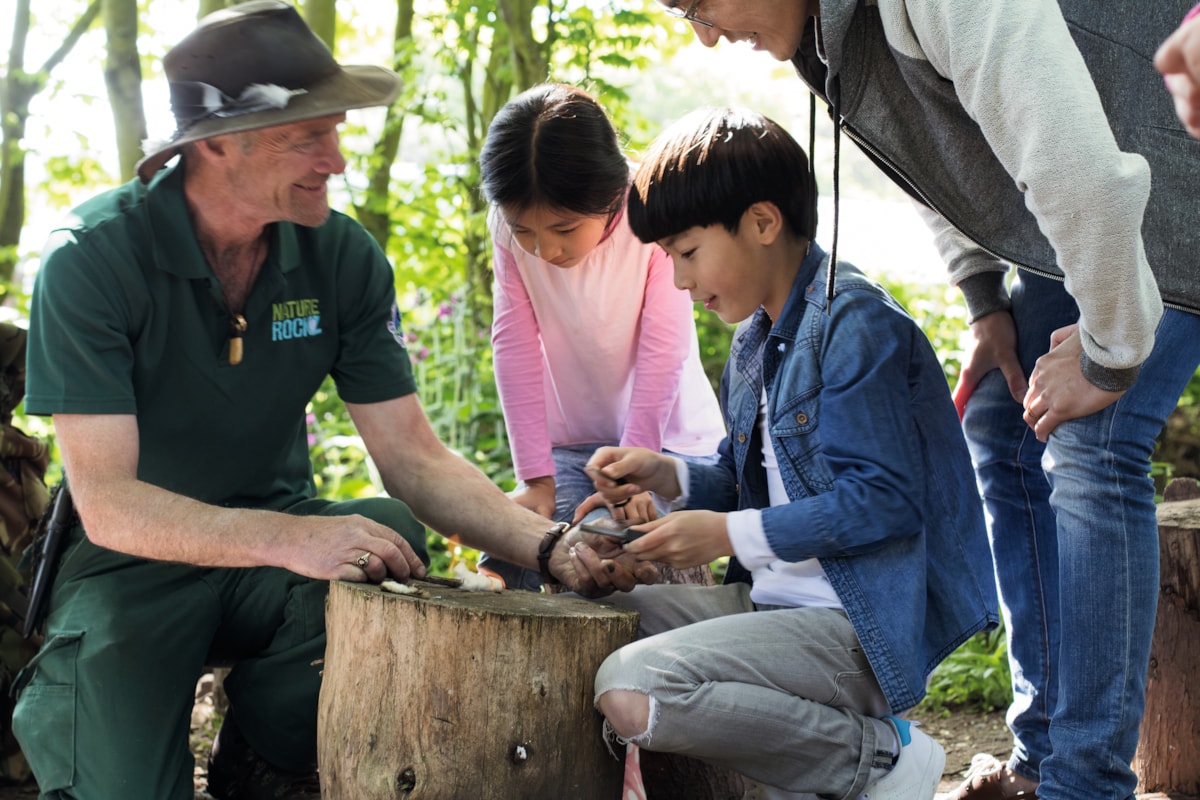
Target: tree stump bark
[1168,754]
[465,694]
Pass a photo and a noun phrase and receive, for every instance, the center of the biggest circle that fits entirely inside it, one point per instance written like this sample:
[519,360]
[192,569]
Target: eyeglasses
[688,14]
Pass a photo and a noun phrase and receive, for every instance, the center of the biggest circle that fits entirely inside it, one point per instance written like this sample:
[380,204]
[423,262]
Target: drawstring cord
[831,275]
[837,161]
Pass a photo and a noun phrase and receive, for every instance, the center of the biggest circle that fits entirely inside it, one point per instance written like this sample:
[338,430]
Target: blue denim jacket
[873,458]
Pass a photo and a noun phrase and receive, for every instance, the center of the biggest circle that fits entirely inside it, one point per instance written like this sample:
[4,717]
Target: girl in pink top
[592,342]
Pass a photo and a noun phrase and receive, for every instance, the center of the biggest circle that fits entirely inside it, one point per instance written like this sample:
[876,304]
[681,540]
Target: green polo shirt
[127,318]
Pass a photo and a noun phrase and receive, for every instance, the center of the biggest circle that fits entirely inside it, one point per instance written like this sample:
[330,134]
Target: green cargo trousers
[104,708]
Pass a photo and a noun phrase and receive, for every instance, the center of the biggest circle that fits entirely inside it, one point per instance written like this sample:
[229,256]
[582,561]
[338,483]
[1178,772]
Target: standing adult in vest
[988,116]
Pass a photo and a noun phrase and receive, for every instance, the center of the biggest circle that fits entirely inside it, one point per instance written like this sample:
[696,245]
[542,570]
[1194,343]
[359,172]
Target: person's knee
[627,712]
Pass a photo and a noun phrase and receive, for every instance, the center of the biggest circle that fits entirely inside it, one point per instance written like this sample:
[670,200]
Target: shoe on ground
[236,772]
[991,779]
[918,768]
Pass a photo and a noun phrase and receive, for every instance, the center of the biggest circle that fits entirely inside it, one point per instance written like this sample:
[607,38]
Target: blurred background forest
[82,87]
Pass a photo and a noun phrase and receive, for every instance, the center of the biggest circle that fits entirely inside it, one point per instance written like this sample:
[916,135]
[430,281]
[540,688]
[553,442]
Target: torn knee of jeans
[642,739]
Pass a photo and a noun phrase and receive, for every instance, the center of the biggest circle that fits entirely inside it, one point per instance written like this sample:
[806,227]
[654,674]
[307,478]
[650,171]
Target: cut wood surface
[465,695]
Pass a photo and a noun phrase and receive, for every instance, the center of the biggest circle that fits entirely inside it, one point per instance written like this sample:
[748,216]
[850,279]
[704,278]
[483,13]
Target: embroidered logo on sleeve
[395,329]
[295,319]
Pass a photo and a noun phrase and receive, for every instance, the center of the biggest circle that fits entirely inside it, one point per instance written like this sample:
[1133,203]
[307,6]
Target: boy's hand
[683,539]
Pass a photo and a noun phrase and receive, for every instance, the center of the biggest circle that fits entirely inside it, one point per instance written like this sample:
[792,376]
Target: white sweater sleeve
[1018,74]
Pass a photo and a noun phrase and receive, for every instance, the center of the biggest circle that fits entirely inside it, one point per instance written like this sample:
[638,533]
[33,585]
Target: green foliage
[458,69]
[64,175]
[715,337]
[974,676]
[941,314]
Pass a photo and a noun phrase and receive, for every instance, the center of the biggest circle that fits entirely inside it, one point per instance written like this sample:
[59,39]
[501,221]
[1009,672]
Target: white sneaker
[918,768]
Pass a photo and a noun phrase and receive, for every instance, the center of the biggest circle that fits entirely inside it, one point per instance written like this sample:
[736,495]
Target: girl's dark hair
[554,146]
[713,164]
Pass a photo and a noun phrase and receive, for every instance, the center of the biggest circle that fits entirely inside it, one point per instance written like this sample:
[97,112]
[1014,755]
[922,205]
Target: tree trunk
[123,77]
[465,694]
[528,55]
[17,90]
[209,6]
[1168,754]
[321,16]
[375,210]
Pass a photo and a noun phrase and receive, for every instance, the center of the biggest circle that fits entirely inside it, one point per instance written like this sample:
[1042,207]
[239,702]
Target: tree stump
[1168,754]
[465,694]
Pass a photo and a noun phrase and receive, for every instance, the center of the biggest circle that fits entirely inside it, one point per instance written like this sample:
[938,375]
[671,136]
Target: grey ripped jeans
[783,696]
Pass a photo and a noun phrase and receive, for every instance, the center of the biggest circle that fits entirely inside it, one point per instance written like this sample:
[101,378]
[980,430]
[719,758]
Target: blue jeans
[1075,543]
[571,487]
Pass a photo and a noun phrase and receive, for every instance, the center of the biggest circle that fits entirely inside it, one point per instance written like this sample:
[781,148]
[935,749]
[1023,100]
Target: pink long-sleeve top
[605,351]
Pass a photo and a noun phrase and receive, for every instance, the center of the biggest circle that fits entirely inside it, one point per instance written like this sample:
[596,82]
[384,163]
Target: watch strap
[550,539]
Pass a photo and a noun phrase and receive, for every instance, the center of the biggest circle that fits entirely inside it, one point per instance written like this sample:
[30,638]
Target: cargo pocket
[44,716]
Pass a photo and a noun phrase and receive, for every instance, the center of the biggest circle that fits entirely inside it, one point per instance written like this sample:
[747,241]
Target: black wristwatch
[546,548]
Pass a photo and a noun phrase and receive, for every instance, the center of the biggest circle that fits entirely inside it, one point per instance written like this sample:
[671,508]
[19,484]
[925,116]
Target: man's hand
[538,496]
[594,565]
[683,539]
[349,548]
[1178,59]
[993,345]
[1057,389]
[123,513]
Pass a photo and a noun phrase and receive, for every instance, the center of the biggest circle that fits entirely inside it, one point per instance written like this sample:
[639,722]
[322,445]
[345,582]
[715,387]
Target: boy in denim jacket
[844,492]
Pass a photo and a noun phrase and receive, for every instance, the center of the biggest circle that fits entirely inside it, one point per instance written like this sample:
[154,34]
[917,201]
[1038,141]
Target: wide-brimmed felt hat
[255,65]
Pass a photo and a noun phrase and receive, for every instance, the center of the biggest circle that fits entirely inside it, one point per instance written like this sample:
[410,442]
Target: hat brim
[350,87]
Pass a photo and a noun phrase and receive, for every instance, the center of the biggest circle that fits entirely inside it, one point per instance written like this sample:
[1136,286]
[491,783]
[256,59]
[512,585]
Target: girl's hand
[640,506]
[1178,59]
[538,496]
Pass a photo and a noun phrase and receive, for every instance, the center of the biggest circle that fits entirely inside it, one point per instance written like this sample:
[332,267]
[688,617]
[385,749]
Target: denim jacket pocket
[44,716]
[794,433]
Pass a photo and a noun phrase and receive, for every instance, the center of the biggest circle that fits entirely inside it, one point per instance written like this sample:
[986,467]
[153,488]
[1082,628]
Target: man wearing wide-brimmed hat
[180,325]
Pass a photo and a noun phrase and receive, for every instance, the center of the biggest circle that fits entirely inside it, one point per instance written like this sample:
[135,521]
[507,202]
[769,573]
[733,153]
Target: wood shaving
[395,587]
[474,582]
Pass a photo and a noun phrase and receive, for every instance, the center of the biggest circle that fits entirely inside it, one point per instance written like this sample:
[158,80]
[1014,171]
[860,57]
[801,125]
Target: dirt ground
[962,734]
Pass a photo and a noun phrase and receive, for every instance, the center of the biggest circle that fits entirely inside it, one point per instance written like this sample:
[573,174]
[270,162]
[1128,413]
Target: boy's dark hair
[554,146]
[711,165]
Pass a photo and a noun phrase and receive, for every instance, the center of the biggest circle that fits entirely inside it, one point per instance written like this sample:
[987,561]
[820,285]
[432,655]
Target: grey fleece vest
[909,121]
